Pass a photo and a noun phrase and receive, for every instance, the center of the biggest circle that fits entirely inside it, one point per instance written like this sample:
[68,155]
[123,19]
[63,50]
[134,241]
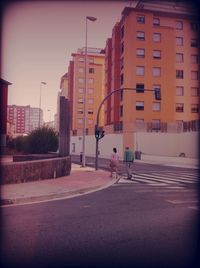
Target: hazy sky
[38,38]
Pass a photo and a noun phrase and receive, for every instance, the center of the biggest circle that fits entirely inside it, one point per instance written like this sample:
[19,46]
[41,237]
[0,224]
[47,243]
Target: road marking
[181,201]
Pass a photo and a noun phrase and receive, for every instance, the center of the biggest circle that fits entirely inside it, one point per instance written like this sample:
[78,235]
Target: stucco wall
[17,172]
[158,144]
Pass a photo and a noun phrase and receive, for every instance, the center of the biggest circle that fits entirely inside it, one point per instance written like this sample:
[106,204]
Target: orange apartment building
[157,46]
[95,88]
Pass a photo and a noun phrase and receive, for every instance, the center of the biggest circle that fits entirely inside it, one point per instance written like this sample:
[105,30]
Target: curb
[53,197]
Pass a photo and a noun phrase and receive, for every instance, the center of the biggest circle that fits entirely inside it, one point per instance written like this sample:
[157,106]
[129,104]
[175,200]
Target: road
[130,224]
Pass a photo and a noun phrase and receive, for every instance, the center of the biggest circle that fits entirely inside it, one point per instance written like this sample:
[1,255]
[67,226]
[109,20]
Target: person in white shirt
[114,162]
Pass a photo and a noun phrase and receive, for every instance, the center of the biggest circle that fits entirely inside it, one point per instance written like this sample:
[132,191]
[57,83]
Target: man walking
[128,160]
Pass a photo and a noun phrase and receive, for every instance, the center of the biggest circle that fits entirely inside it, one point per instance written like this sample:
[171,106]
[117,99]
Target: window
[156,106]
[156,37]
[81,59]
[122,79]
[81,70]
[90,101]
[90,121]
[122,47]
[91,70]
[121,110]
[81,90]
[179,107]
[157,54]
[81,80]
[195,91]
[194,108]
[179,25]
[179,57]
[179,41]
[156,124]
[139,105]
[194,75]
[80,101]
[140,88]
[139,70]
[121,95]
[140,19]
[156,71]
[156,21]
[194,42]
[91,60]
[91,80]
[140,53]
[90,111]
[140,35]
[179,91]
[80,111]
[80,121]
[194,26]
[194,59]
[90,90]
[179,74]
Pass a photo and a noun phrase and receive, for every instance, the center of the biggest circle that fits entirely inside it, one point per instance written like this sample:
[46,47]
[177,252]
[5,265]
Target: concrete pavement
[81,180]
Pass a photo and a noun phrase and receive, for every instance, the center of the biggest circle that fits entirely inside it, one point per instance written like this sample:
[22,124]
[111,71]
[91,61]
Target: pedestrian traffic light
[157,93]
[97,133]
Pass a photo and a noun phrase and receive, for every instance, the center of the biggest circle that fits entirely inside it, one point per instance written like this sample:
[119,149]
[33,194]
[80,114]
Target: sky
[38,38]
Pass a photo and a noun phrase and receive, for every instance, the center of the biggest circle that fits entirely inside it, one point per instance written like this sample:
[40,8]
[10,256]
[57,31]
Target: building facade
[95,88]
[24,118]
[159,50]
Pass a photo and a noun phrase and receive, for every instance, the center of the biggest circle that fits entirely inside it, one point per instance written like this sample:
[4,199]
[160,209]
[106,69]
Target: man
[128,159]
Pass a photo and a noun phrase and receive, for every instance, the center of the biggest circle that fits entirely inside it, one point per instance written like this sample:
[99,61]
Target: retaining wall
[17,172]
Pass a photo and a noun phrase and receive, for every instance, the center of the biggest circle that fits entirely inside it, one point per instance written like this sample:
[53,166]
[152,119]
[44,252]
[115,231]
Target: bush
[41,141]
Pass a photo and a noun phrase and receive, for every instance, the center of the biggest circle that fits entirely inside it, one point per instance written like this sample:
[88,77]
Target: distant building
[63,92]
[3,110]
[95,88]
[24,118]
[155,46]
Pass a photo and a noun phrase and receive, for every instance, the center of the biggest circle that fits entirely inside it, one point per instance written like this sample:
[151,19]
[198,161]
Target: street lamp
[41,83]
[85,91]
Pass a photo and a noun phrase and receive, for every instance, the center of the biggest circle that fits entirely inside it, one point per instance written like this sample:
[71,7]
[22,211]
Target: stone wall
[18,172]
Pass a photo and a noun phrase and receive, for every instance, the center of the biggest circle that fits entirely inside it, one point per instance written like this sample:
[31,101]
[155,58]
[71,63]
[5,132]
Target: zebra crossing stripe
[169,179]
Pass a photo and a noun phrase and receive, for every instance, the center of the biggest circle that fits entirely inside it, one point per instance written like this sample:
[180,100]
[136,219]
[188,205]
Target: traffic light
[157,93]
[99,133]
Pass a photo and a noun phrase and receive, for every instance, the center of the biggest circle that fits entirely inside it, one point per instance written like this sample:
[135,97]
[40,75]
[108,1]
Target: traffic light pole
[98,113]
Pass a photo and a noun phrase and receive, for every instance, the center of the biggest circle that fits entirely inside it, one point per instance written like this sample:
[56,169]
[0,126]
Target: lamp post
[41,83]
[85,91]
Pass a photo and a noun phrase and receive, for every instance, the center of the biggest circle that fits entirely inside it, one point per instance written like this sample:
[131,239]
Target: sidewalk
[80,181]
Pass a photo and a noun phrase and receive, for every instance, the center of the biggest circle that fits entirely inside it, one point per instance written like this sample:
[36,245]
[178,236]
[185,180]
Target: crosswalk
[156,178]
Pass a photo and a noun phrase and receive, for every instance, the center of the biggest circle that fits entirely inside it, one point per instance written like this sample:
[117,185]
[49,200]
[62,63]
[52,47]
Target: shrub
[42,140]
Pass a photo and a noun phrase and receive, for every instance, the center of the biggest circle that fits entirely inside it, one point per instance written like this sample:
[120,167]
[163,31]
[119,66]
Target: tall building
[24,118]
[157,45]
[95,88]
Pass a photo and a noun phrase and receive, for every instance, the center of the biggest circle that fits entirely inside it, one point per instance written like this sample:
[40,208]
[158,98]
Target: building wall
[142,68]
[24,118]
[154,144]
[95,90]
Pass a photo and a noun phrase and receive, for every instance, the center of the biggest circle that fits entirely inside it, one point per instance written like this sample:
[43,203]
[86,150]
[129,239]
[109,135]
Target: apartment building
[95,88]
[159,50]
[23,118]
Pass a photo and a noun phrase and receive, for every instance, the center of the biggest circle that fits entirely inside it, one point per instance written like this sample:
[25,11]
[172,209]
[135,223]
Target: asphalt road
[125,225]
